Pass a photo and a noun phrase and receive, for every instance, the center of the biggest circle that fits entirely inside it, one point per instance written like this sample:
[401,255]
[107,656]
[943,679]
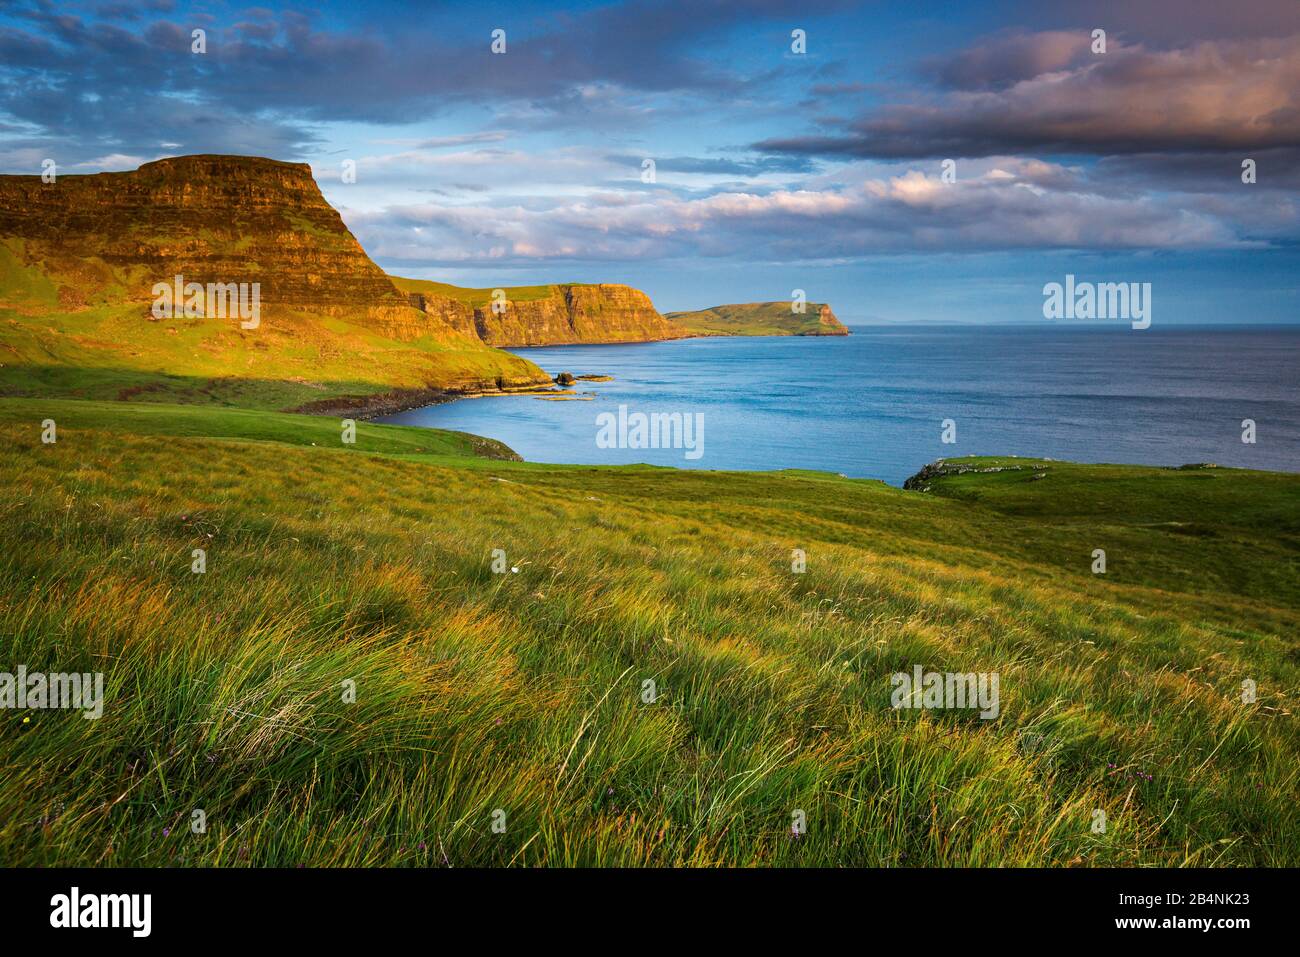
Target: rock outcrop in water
[565,314]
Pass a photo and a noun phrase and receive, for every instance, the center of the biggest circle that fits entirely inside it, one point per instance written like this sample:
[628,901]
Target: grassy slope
[750,319]
[478,298]
[111,351]
[522,691]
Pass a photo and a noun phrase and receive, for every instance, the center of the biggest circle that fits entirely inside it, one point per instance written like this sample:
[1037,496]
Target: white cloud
[1006,203]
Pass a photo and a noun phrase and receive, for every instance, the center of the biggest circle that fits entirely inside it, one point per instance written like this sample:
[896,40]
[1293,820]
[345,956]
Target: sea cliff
[563,314]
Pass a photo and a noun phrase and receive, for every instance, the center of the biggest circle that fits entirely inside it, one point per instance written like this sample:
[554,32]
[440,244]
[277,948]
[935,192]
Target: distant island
[761,319]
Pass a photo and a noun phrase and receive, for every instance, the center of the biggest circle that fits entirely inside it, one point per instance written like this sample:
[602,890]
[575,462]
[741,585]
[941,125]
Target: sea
[886,400]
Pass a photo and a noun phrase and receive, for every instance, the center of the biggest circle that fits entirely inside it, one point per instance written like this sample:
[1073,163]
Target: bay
[872,405]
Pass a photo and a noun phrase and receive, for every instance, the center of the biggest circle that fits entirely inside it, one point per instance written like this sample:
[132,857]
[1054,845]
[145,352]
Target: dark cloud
[286,73]
[1217,173]
[1169,23]
[1008,59]
[1239,95]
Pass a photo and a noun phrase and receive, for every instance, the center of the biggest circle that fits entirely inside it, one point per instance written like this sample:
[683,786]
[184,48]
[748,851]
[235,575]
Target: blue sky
[775,170]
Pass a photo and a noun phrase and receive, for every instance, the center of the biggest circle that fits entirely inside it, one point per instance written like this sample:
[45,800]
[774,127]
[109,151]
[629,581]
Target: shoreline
[686,375]
[367,407]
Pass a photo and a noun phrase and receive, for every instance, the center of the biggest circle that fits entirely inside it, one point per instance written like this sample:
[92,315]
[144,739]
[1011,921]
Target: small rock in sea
[565,378]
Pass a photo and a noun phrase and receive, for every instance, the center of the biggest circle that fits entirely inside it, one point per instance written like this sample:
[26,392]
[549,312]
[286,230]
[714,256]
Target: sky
[776,167]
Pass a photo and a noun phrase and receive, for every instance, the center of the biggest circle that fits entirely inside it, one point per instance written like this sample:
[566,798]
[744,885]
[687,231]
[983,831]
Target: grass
[294,359]
[232,423]
[110,349]
[752,319]
[479,298]
[524,692]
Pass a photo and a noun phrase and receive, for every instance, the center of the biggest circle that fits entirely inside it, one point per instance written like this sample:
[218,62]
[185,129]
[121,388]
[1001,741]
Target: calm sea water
[872,405]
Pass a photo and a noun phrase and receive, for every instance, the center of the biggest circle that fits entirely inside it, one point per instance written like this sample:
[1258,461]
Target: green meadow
[645,681]
[96,350]
[478,298]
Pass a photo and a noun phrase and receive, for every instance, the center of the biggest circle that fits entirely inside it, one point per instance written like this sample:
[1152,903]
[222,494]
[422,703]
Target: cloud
[1169,23]
[1276,170]
[1148,140]
[1012,204]
[288,74]
[1033,94]
[748,167]
[86,88]
[1011,58]
[445,142]
[572,167]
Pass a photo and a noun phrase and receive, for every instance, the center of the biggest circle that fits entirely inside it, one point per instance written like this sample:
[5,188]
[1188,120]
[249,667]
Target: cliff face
[218,219]
[761,319]
[828,324]
[545,315]
[89,250]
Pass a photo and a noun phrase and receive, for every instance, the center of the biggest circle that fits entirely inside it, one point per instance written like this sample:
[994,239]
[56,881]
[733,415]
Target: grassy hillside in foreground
[523,691]
[761,319]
